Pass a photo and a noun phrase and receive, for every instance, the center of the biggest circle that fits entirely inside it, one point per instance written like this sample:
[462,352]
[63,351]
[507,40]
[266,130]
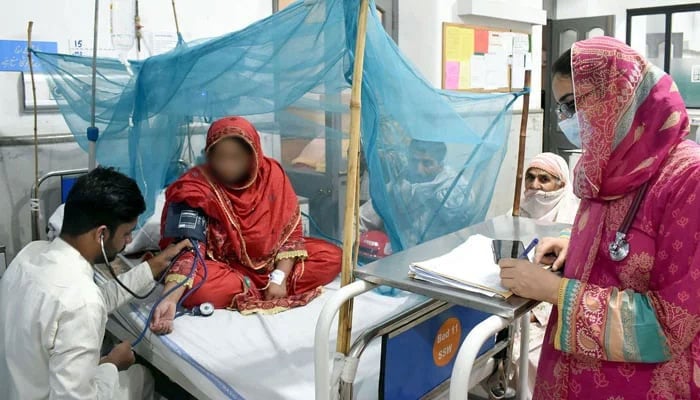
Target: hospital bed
[230,356]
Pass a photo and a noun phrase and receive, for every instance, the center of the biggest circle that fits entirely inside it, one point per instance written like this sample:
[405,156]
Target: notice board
[483,59]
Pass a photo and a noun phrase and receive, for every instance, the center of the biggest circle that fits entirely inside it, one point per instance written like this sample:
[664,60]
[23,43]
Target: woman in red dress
[257,259]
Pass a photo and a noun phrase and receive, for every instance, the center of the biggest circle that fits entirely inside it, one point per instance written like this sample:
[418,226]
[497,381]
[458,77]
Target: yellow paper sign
[465,75]
[459,43]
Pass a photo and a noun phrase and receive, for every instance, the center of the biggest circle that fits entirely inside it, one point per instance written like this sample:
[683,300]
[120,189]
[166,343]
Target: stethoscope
[619,248]
[204,309]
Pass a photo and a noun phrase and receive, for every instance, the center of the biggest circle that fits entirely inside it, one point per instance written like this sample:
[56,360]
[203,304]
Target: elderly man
[418,193]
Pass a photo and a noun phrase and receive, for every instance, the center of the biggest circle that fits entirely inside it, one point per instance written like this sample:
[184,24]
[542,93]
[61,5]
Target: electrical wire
[165,295]
[320,232]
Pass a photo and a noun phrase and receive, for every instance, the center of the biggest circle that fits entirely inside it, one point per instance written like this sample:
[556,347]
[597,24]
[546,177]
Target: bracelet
[277,277]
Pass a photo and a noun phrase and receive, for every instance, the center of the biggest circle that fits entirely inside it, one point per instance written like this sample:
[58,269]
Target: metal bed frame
[395,324]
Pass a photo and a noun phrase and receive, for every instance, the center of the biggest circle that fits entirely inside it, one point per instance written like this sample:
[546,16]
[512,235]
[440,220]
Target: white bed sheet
[230,356]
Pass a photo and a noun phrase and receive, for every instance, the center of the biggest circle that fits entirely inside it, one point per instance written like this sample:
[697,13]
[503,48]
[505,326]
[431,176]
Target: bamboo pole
[521,147]
[177,23]
[352,193]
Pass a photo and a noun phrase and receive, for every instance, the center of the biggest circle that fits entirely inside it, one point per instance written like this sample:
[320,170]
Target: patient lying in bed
[256,257]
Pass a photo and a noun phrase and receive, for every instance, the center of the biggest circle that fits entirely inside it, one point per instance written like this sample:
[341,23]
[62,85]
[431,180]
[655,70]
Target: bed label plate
[416,361]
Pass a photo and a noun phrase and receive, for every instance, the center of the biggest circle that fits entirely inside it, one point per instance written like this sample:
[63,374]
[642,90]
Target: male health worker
[53,314]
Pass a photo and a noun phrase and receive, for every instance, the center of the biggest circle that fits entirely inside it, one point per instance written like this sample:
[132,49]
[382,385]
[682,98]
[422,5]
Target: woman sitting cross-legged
[256,257]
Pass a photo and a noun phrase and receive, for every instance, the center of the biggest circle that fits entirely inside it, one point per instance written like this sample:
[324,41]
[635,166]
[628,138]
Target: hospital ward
[350,200]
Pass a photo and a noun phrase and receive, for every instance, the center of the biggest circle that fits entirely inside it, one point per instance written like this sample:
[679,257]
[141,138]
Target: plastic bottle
[123,26]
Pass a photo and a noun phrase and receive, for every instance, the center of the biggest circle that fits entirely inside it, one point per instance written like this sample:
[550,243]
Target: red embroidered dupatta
[260,217]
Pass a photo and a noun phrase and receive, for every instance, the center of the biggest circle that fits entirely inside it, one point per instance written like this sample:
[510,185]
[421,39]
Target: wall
[420,32]
[60,21]
[420,39]
[196,20]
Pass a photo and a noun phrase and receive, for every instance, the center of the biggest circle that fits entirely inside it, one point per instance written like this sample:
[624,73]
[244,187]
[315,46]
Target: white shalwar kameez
[52,322]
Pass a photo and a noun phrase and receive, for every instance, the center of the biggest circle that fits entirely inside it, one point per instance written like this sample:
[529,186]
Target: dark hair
[436,150]
[101,197]
[563,64]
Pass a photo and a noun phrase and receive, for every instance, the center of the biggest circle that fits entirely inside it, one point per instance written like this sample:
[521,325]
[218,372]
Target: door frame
[390,7]
[325,190]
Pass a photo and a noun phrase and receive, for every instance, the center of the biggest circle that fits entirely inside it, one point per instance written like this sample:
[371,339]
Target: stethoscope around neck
[619,248]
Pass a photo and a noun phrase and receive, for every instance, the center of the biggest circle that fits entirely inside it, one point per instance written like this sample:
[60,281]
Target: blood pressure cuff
[185,222]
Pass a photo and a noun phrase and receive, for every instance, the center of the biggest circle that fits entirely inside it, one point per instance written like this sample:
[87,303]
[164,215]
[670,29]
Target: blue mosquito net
[432,156]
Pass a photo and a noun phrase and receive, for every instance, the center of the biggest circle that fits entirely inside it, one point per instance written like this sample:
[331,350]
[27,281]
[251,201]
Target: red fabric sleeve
[293,247]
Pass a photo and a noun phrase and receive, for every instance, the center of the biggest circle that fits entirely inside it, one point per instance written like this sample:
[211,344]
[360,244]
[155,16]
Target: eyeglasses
[566,110]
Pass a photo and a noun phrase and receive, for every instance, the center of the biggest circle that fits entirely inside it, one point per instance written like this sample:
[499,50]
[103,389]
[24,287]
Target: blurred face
[422,167]
[537,179]
[115,242]
[230,160]
[563,91]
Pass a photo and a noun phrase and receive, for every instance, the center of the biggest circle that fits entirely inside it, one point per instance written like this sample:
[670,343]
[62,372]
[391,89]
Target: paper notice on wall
[496,70]
[468,44]
[465,75]
[458,44]
[452,75]
[495,42]
[13,55]
[517,72]
[521,43]
[481,41]
[478,72]
[507,41]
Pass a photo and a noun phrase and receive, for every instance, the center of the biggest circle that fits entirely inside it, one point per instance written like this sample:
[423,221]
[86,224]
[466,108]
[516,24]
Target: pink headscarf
[631,116]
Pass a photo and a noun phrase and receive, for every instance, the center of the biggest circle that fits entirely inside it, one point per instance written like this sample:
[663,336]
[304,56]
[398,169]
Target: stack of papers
[470,266]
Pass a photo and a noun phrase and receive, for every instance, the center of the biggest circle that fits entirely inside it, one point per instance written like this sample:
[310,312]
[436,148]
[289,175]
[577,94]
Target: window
[669,37]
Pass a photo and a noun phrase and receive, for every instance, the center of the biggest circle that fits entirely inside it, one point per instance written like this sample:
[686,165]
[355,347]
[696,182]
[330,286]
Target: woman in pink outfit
[626,318]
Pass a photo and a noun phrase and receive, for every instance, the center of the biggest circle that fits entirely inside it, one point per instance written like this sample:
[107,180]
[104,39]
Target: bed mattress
[230,356]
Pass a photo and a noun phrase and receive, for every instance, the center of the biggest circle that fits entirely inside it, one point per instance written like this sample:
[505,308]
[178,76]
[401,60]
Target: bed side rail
[35,209]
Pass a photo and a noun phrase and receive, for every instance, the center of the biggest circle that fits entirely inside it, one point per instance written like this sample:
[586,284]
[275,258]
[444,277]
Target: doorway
[388,11]
[562,35]
[325,189]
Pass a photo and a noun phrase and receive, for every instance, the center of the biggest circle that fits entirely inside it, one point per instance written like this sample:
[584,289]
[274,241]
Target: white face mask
[572,130]
[538,203]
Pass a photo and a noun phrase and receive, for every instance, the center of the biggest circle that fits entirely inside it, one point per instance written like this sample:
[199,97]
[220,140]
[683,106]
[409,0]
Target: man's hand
[163,317]
[552,251]
[160,262]
[121,356]
[529,280]
[275,291]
